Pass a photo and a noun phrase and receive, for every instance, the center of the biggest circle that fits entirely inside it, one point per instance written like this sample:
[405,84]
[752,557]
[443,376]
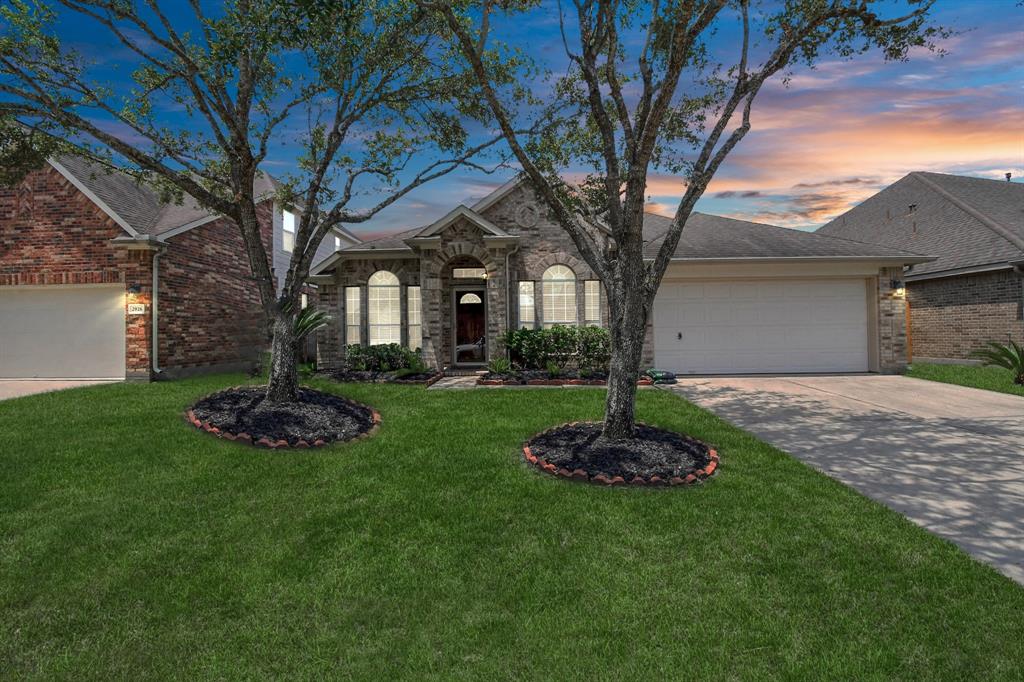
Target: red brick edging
[281,444]
[698,476]
[555,382]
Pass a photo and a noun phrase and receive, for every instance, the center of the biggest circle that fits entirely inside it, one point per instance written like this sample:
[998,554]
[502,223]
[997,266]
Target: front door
[470,327]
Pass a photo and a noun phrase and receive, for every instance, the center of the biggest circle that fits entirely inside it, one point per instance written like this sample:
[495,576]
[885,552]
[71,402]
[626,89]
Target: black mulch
[317,416]
[652,452]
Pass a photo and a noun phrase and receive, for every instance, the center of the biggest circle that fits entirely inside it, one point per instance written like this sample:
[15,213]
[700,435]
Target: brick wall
[954,316]
[52,234]
[210,315]
[210,312]
[892,323]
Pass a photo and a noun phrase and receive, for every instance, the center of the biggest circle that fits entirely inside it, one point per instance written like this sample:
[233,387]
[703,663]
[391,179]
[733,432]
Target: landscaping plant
[1008,356]
[645,91]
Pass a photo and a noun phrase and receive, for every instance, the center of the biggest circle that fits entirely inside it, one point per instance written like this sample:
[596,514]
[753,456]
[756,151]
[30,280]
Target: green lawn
[134,546]
[974,376]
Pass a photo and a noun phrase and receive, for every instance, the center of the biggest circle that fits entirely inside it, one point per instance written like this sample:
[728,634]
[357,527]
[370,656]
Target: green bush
[499,366]
[588,348]
[593,349]
[388,357]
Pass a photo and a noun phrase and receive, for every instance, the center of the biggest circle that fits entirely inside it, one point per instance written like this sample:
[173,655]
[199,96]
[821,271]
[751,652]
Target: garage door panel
[62,332]
[761,326]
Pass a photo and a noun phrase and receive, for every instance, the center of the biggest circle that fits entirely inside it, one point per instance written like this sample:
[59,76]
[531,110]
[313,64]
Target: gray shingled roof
[967,222]
[711,237]
[138,204]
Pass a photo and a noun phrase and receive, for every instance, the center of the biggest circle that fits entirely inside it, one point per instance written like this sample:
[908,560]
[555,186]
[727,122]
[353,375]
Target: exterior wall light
[898,288]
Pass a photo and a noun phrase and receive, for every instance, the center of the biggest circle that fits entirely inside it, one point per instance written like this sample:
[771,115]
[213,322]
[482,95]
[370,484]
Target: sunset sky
[836,134]
[832,137]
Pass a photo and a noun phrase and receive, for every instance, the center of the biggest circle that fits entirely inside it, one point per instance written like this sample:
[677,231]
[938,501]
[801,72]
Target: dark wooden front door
[470,327]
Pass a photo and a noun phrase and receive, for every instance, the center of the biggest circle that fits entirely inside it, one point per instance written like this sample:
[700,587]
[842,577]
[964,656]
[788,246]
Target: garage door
[62,332]
[740,327]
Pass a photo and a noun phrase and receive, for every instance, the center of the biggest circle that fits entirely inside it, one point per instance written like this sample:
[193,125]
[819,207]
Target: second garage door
[769,326]
[62,332]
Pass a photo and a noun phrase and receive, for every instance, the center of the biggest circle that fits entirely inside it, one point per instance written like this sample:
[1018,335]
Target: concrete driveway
[15,388]
[949,458]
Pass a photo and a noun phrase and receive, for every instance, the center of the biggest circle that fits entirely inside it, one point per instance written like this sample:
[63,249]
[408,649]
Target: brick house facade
[55,237]
[973,291]
[508,240]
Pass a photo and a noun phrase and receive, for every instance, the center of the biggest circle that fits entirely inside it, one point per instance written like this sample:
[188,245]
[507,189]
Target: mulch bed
[541,378]
[317,419]
[371,377]
[653,457]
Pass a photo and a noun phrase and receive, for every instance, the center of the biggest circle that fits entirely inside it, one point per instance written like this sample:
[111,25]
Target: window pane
[559,292]
[592,302]
[352,313]
[288,222]
[527,314]
[415,318]
[384,308]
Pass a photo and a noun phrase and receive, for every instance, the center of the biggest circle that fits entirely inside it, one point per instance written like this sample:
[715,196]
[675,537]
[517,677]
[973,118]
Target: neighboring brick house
[738,297]
[973,292]
[80,249]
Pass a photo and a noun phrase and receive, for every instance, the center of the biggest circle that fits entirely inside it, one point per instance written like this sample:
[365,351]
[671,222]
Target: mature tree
[362,86]
[649,94]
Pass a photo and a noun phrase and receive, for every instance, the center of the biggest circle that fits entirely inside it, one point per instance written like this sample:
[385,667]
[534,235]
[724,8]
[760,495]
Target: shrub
[1008,356]
[387,357]
[499,366]
[554,370]
[594,349]
[586,347]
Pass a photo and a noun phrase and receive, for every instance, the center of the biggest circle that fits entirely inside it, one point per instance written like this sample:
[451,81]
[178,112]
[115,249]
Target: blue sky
[836,134]
[829,139]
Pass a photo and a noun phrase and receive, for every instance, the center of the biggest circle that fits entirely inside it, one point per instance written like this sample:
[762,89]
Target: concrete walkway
[949,458]
[16,388]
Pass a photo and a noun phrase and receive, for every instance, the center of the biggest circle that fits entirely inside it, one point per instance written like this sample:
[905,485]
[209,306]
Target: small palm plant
[308,321]
[1008,356]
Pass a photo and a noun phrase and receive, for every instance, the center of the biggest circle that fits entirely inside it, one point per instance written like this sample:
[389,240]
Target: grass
[134,546]
[974,376]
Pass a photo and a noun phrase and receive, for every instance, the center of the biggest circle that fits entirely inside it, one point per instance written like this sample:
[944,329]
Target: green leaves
[1008,356]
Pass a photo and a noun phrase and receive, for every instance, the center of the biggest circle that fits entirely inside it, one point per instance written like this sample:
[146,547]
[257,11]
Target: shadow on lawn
[961,479]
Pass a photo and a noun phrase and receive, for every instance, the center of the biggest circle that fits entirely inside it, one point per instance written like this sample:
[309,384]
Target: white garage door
[62,332]
[739,327]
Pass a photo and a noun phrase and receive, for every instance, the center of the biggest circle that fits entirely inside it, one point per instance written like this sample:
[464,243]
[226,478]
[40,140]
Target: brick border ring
[697,476]
[282,444]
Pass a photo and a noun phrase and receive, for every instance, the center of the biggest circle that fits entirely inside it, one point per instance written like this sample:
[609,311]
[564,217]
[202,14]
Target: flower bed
[378,377]
[528,378]
[316,419]
[653,457]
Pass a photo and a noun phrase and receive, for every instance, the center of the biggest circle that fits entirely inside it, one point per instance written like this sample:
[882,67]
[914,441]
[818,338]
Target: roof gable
[967,222]
[461,212]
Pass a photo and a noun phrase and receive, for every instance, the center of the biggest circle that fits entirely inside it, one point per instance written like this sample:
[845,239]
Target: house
[973,292]
[738,297]
[82,249]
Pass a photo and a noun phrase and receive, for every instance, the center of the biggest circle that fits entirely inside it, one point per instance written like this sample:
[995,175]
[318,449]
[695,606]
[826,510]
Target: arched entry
[466,288]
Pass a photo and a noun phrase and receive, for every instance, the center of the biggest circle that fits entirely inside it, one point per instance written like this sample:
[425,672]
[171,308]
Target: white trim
[498,194]
[175,231]
[102,205]
[808,259]
[956,272]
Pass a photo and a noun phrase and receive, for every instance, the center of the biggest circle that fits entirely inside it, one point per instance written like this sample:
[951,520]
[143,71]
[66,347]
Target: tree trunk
[628,322]
[283,386]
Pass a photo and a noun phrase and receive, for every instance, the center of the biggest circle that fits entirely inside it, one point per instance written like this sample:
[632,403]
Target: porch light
[898,288]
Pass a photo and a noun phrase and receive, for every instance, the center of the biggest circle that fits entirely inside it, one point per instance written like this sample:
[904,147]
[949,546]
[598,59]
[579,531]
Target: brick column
[892,323]
[329,350]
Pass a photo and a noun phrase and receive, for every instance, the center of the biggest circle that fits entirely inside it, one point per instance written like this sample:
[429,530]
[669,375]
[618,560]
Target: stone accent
[952,317]
[892,324]
[52,234]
